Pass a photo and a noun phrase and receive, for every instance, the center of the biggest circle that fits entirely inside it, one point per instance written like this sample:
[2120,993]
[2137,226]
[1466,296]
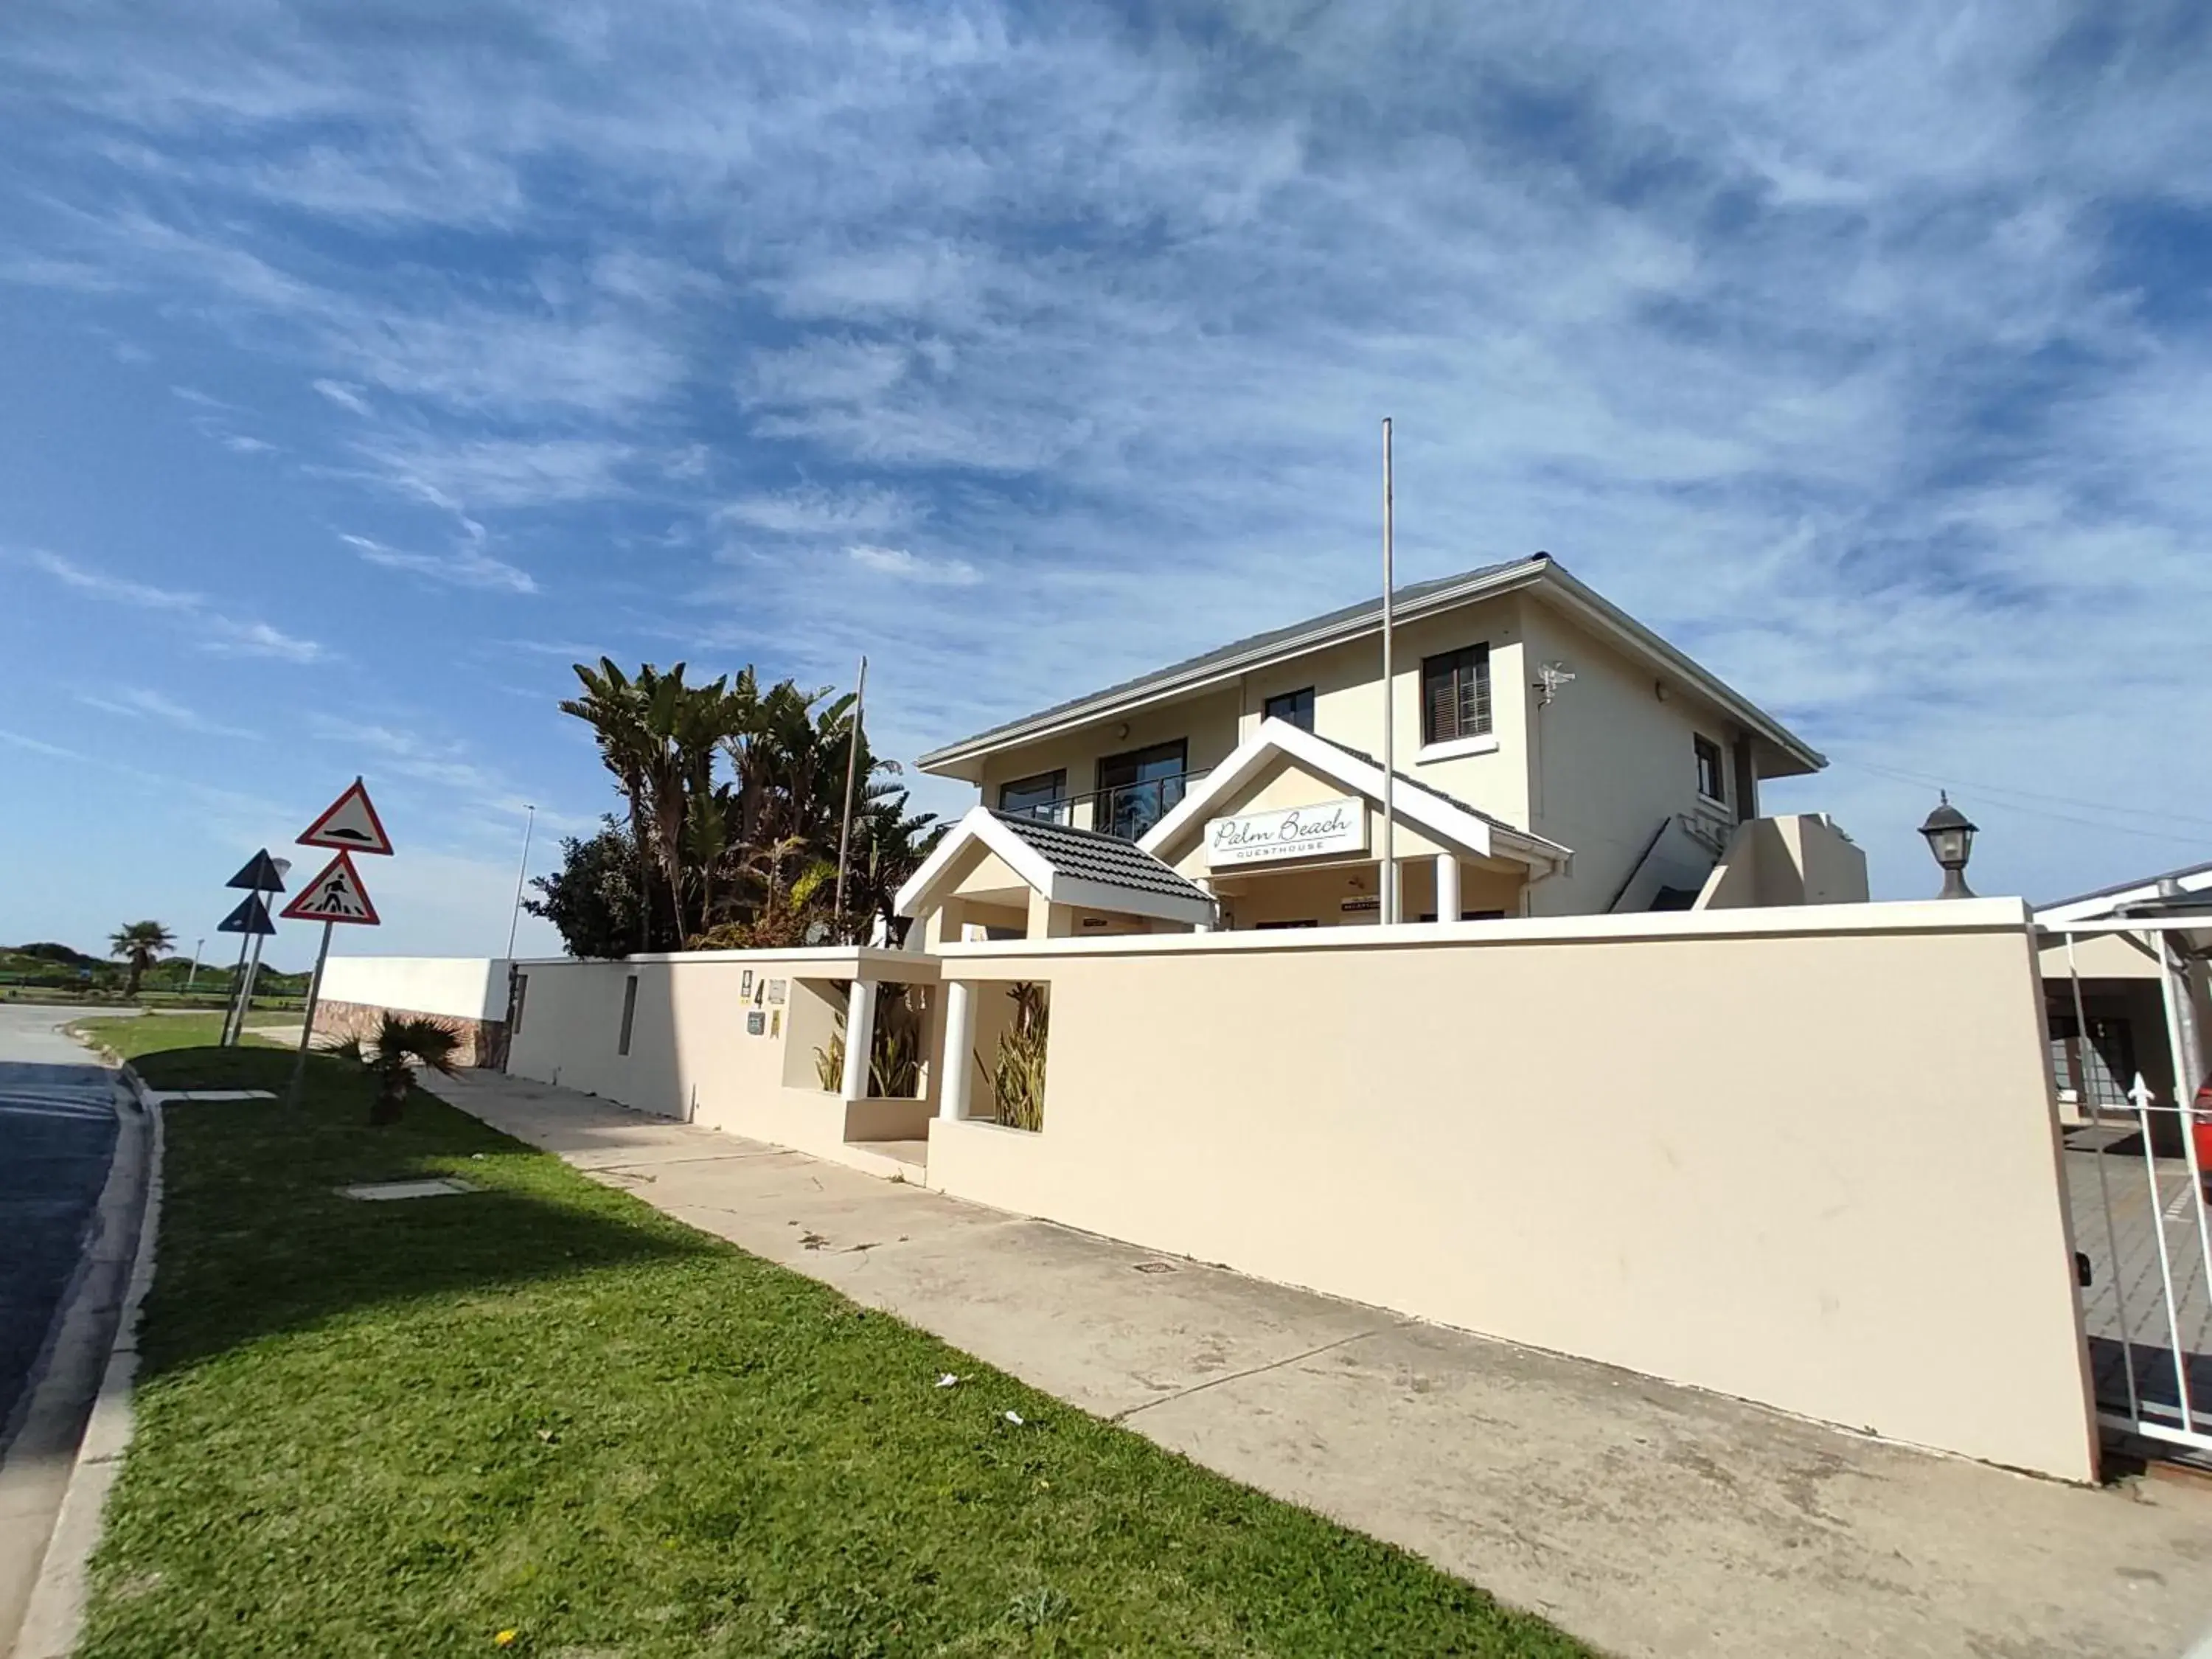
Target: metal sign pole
[237,985]
[246,996]
[307,1031]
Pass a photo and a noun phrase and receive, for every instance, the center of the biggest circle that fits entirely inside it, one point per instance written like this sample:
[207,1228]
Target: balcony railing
[1127,810]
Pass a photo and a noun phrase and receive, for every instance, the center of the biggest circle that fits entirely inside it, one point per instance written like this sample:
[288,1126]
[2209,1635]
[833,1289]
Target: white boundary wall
[1805,1157]
[457,988]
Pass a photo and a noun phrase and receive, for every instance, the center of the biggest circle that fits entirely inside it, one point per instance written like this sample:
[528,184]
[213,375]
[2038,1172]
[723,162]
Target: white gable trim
[978,824]
[1471,833]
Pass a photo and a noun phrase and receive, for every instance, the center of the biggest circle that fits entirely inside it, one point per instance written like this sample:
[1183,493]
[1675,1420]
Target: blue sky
[363,365]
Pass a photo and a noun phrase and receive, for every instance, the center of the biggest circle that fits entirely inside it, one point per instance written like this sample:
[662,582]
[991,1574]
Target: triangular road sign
[349,823]
[337,894]
[260,875]
[251,916]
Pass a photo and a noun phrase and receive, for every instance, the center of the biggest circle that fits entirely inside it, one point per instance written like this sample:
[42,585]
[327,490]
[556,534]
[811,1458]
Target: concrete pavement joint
[1124,1415]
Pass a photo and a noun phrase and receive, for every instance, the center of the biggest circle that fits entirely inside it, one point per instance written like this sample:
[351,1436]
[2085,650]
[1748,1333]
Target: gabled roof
[1085,868]
[1349,623]
[2108,901]
[1452,821]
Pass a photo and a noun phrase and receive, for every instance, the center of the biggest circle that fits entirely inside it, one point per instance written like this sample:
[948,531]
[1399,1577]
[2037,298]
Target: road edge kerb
[54,1616]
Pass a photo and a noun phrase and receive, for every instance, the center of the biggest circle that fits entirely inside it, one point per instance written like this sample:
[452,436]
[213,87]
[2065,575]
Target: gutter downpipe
[1390,885]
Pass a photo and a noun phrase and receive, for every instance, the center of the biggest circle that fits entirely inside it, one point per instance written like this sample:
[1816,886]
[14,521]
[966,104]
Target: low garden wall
[1803,1157]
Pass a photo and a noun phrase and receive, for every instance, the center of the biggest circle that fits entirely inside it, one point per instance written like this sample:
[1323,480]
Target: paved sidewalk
[1647,1519]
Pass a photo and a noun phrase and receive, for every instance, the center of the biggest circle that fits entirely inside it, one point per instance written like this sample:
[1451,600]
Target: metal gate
[2136,1166]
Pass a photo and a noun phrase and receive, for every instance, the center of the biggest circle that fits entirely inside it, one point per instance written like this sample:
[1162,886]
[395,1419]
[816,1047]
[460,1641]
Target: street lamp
[1950,838]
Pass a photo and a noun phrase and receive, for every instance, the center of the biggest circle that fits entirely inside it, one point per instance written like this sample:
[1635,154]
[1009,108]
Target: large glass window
[1295,706]
[1138,789]
[1043,796]
[1456,694]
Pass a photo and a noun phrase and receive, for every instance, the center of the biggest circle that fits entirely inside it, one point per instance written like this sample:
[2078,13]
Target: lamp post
[1950,836]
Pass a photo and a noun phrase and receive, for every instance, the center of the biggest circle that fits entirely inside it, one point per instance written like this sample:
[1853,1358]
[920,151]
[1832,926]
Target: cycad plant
[403,1044]
[1018,1073]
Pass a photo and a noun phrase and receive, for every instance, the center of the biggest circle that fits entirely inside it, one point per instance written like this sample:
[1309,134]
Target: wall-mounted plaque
[756,1022]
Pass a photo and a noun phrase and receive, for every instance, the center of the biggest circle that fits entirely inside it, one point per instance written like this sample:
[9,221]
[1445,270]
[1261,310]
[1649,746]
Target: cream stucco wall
[690,1055]
[1798,859]
[1807,1157]
[1611,762]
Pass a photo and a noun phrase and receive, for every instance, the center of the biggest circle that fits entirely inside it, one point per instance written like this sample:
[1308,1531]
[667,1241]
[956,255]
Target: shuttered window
[1456,694]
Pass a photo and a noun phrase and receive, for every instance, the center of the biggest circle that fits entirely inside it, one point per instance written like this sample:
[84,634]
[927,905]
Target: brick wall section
[483,1042]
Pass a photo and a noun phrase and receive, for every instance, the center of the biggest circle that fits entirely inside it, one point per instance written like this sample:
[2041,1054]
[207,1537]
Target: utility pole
[193,973]
[851,768]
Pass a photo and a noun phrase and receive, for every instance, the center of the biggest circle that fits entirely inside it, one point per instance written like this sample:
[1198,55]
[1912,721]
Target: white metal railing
[2159,1321]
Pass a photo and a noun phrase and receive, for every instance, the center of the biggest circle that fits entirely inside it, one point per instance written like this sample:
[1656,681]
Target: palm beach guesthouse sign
[1315,831]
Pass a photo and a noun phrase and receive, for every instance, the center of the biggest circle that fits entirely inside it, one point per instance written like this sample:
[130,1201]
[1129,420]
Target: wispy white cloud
[470,567]
[215,632]
[137,702]
[345,396]
[912,567]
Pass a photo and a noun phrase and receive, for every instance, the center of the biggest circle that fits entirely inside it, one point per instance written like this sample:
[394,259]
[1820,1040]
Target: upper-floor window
[1456,694]
[1138,789]
[1712,784]
[1295,706]
[1043,796]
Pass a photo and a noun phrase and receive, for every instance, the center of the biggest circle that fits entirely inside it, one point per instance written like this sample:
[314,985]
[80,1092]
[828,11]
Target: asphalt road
[57,1134]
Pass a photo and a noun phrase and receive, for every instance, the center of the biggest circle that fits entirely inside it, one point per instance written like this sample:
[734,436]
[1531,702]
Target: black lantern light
[1950,838]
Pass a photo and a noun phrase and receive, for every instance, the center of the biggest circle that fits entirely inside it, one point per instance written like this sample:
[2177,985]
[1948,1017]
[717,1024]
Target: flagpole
[514,916]
[1388,901]
[307,1031]
[852,766]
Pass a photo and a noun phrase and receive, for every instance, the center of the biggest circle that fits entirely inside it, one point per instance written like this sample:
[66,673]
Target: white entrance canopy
[1079,869]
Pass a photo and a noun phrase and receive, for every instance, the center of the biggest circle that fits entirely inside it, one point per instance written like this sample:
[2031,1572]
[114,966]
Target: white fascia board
[1079,894]
[1472,834]
[1164,690]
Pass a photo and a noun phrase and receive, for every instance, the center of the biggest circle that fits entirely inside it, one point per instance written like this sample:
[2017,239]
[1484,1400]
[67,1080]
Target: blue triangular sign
[259,875]
[251,916]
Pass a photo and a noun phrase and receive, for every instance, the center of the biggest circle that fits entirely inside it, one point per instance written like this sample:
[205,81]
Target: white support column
[859,1038]
[959,1038]
[1447,887]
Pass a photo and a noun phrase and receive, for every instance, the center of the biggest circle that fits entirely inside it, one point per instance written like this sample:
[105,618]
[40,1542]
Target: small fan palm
[402,1044]
[143,944]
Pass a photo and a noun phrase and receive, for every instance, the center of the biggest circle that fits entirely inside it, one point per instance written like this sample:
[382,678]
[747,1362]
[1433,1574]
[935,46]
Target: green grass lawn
[401,1429]
[178,1051]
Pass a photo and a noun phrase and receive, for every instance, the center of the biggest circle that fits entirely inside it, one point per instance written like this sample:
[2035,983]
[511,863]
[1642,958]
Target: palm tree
[401,1044]
[144,943]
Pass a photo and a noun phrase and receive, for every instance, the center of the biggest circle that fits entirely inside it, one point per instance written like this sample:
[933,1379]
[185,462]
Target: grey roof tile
[1093,855]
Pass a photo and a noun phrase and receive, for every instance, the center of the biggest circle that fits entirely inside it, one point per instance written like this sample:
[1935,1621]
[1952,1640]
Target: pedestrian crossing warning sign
[350,824]
[336,895]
